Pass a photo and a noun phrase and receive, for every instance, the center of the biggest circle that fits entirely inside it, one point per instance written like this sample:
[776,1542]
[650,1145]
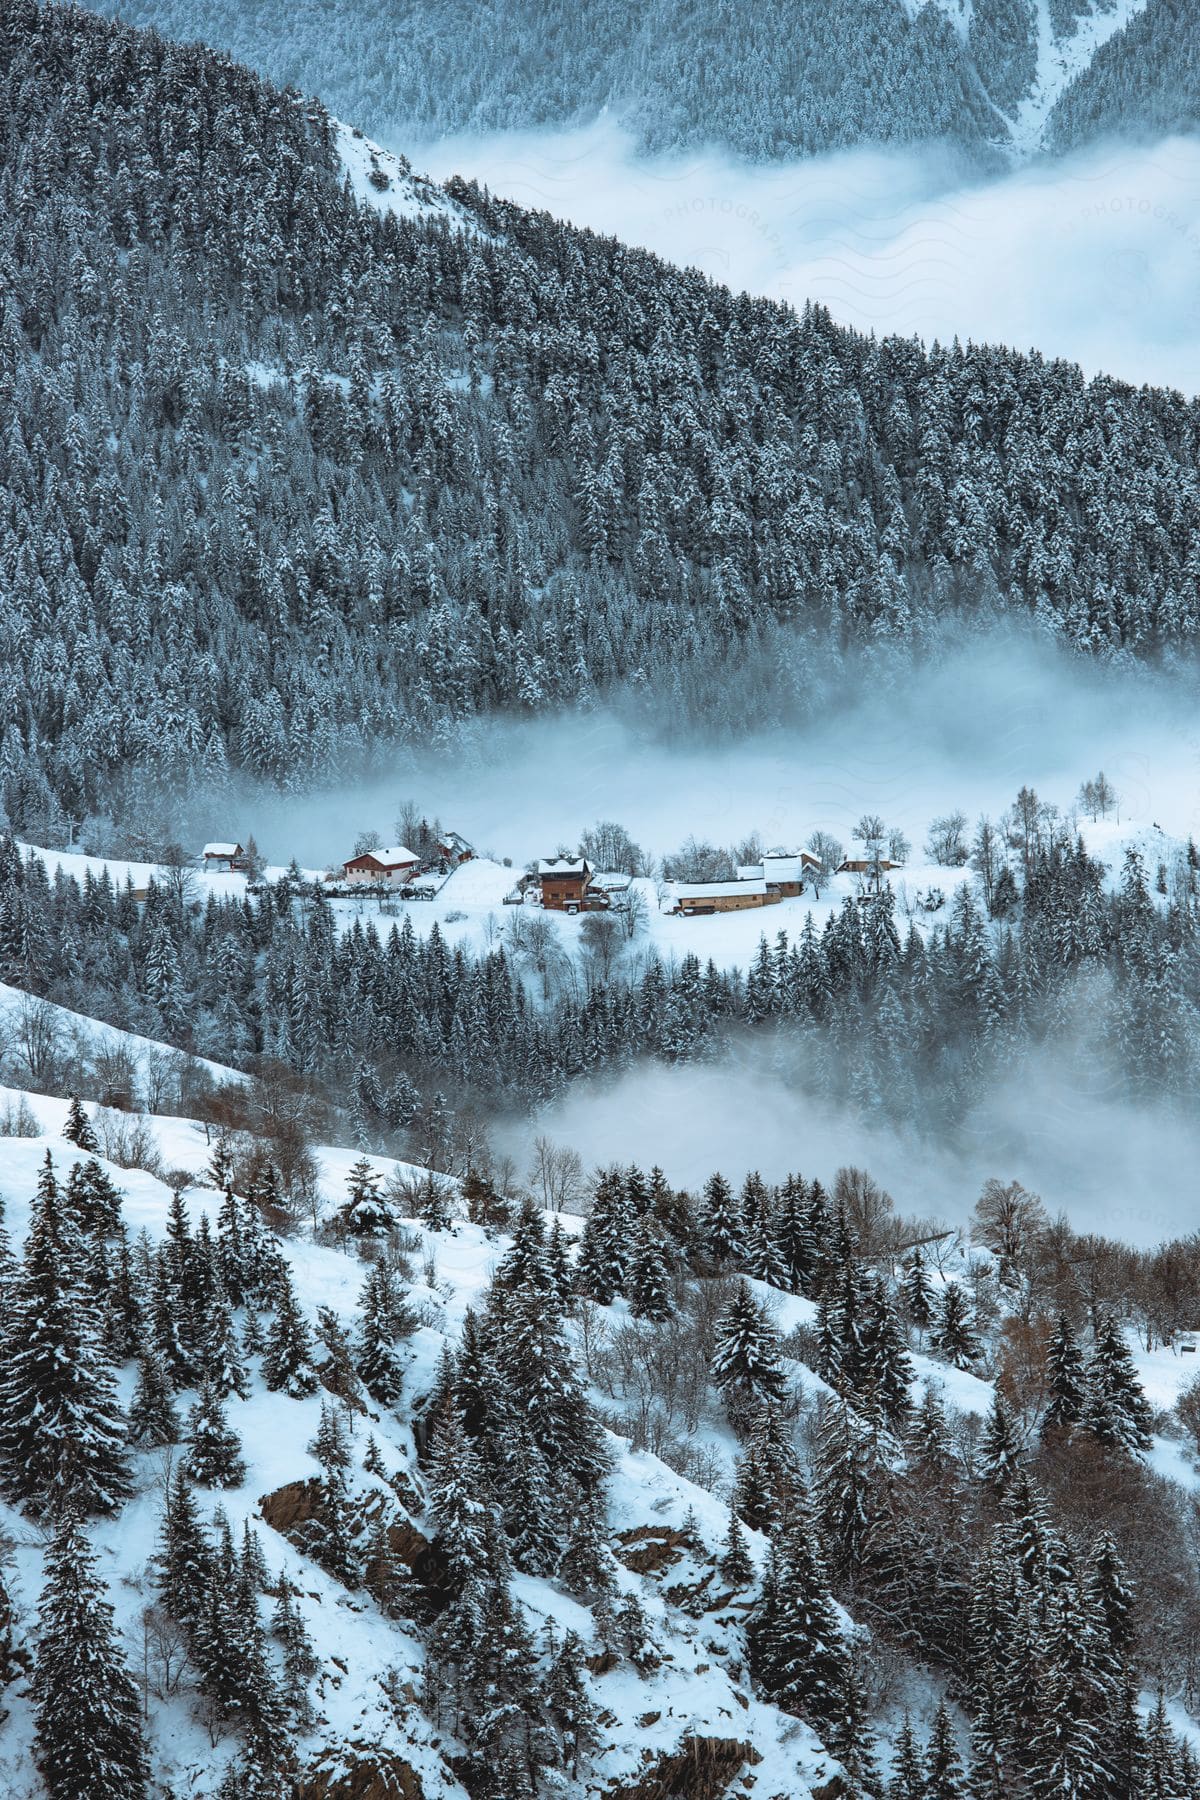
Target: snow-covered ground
[696,1688]
[93,1034]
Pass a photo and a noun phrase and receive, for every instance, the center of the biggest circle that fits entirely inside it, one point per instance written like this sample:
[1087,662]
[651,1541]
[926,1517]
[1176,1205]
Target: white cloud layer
[1001,710]
[1095,257]
[1111,1167]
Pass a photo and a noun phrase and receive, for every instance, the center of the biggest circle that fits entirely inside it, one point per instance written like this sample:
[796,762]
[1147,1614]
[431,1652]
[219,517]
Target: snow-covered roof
[787,865]
[392,858]
[222,850]
[611,880]
[717,890]
[749,871]
[563,865]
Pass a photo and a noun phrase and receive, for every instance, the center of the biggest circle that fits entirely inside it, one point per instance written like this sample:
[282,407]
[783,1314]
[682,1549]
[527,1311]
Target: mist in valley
[907,740]
[1094,256]
[1059,1127]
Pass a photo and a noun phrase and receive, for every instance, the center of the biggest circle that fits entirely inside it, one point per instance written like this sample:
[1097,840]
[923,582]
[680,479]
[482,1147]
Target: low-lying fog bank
[1092,256]
[1111,1167]
[1002,709]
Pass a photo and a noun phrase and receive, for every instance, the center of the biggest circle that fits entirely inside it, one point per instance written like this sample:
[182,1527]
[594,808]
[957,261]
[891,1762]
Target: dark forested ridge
[779,78]
[285,479]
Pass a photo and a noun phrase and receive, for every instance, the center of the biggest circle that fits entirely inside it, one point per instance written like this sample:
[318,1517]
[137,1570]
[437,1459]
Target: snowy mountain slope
[29,1026]
[688,1685]
[363,1656]
[381,179]
[1061,60]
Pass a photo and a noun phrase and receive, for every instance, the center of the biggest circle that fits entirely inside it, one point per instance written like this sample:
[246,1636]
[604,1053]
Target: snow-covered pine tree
[288,1358]
[797,1652]
[331,1446]
[846,1489]
[908,1775]
[456,1502]
[917,1293]
[602,1265]
[214,1456]
[153,1418]
[999,1446]
[94,1200]
[736,1565]
[221,1363]
[89,1732]
[649,1286]
[952,1334]
[124,1323]
[637,1639]
[538,1375]
[848,1732]
[1116,1410]
[183,1561]
[526,1262]
[386,1576]
[943,1765]
[62,1434]
[365,1213]
[887,1370]
[721,1231]
[570,1706]
[794,1252]
[77,1128]
[1066,1378]
[299,1660]
[380,1366]
[745,1364]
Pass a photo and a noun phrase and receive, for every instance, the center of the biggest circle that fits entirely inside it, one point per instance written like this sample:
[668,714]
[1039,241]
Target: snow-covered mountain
[1001,79]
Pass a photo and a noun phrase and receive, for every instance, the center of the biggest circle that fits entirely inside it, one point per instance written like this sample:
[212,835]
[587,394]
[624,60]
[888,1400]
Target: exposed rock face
[650,1548]
[359,1773]
[701,1769]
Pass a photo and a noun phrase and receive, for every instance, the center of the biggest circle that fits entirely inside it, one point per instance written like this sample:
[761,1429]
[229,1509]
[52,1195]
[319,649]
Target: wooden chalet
[695,898]
[565,884]
[391,867]
[230,856]
[865,865]
[453,848]
[784,871]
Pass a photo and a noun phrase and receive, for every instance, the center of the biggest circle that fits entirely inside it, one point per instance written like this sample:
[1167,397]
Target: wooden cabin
[565,882]
[391,867]
[453,848]
[695,898]
[228,854]
[788,870]
[865,865]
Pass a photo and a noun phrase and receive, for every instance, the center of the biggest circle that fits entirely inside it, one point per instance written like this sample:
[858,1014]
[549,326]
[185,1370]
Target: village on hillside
[599,898]
[572,884]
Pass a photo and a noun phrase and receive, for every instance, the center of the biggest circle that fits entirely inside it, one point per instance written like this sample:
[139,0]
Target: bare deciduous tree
[556,1175]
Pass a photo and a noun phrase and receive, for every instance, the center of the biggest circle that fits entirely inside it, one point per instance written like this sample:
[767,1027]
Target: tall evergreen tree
[89,1733]
[288,1358]
[62,1435]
